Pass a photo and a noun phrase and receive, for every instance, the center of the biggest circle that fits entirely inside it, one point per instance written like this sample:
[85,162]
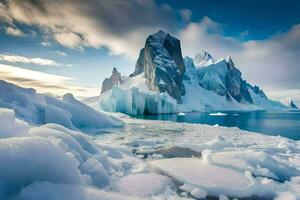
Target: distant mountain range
[166,82]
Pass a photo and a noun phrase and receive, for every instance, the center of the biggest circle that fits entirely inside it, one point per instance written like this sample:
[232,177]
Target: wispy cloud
[12,58]
[61,53]
[44,82]
[14,31]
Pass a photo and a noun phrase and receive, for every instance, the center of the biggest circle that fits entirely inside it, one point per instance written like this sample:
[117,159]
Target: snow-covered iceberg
[37,108]
[161,76]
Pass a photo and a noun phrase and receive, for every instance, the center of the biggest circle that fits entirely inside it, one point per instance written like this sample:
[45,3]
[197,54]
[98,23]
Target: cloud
[186,14]
[14,31]
[285,96]
[11,58]
[45,44]
[43,82]
[119,25]
[272,63]
[61,53]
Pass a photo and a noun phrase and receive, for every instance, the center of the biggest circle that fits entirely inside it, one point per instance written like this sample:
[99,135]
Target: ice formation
[207,161]
[179,161]
[36,108]
[164,82]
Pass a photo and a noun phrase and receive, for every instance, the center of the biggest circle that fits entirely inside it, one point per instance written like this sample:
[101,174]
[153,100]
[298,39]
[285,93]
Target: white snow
[172,161]
[196,172]
[215,161]
[36,108]
[142,185]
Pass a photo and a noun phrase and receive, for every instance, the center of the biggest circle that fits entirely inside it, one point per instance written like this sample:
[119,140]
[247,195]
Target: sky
[61,46]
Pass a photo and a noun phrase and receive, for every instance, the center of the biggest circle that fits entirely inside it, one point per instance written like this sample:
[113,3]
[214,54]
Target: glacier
[164,82]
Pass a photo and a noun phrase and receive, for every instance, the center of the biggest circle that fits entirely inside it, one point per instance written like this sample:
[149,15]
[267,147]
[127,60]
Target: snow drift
[36,108]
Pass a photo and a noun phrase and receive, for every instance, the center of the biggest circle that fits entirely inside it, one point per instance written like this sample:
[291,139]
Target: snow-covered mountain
[164,82]
[40,109]
[203,58]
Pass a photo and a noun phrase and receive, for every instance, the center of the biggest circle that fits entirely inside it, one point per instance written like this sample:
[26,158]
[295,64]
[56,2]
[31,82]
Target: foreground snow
[215,161]
[170,161]
[36,108]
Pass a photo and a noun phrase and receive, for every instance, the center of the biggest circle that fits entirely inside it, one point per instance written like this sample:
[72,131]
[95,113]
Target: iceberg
[162,75]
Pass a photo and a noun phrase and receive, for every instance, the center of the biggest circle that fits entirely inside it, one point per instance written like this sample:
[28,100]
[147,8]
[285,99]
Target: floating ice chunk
[142,185]
[199,193]
[213,179]
[217,114]
[10,126]
[181,114]
[258,162]
[217,143]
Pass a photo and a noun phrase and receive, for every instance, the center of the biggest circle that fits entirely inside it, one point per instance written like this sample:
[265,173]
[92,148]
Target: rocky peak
[114,79]
[203,58]
[225,79]
[258,91]
[292,104]
[161,61]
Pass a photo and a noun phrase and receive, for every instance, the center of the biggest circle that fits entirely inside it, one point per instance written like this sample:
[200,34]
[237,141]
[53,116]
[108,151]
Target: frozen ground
[211,161]
[152,160]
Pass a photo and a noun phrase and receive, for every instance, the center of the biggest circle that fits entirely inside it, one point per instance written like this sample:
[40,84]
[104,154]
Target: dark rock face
[235,85]
[224,79]
[293,105]
[258,91]
[162,62]
[114,79]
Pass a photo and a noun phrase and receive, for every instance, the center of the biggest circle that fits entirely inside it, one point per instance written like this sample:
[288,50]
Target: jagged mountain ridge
[160,70]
